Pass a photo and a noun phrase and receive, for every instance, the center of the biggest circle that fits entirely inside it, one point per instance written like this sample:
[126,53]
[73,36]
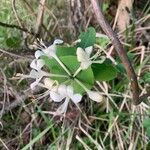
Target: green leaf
[146,122]
[88,38]
[105,6]
[104,72]
[38,137]
[71,63]
[130,56]
[65,51]
[147,77]
[13,42]
[102,41]
[55,68]
[148,131]
[120,67]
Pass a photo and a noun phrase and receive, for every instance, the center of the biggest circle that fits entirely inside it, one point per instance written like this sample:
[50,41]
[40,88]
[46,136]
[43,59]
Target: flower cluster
[62,91]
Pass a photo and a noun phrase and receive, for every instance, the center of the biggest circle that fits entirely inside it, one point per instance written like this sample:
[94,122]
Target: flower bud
[95,96]
[49,83]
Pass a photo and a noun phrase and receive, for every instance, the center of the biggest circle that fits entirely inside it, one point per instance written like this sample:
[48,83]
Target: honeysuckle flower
[63,91]
[93,95]
[84,57]
[49,51]
[37,64]
[49,83]
[60,92]
[38,75]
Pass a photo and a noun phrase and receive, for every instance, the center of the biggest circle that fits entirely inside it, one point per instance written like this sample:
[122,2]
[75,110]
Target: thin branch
[121,52]
[15,13]
[39,19]
[15,26]
[12,54]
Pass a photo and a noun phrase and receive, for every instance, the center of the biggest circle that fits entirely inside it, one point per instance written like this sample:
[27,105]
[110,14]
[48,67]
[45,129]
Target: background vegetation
[25,122]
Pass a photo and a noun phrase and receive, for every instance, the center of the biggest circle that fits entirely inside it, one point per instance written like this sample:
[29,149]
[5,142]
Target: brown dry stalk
[121,52]
[39,16]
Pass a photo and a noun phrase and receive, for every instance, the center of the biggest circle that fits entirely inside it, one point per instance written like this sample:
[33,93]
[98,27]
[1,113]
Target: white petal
[76,98]
[89,50]
[55,88]
[50,51]
[33,85]
[63,108]
[33,64]
[38,54]
[57,41]
[37,64]
[49,83]
[56,97]
[70,91]
[40,64]
[85,64]
[95,96]
[33,74]
[62,89]
[82,55]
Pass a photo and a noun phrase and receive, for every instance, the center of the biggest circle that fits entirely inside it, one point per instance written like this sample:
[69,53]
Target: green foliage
[13,42]
[85,76]
[146,77]
[104,72]
[88,38]
[146,124]
[102,41]
[65,51]
[9,37]
[67,55]
[120,68]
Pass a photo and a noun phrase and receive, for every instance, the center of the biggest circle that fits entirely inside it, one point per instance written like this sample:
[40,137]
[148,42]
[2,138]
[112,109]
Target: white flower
[58,93]
[76,98]
[95,96]
[84,57]
[37,64]
[37,75]
[49,83]
[62,91]
[49,51]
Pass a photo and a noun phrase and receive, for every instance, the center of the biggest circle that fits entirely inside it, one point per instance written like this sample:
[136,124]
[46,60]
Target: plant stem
[120,50]
[82,85]
[77,71]
[62,65]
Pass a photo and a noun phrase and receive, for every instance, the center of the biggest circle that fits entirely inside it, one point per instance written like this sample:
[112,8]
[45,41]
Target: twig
[39,16]
[121,52]
[20,99]
[15,13]
[11,54]
[27,4]
[17,102]
[15,26]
